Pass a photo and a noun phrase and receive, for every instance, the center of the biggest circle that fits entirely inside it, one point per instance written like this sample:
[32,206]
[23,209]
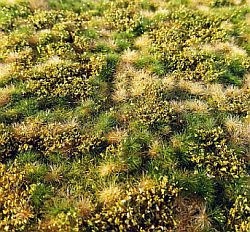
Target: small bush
[15,210]
[143,209]
[209,150]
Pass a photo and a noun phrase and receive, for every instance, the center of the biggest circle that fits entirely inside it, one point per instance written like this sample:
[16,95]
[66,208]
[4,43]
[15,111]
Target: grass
[124,115]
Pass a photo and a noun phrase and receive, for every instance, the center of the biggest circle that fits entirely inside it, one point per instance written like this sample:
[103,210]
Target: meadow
[125,115]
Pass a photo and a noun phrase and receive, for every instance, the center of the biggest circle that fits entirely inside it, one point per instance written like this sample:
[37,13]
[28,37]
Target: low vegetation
[125,115]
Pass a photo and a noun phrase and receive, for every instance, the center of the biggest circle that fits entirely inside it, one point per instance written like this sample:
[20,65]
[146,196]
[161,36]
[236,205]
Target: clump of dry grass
[27,130]
[129,56]
[154,149]
[130,82]
[176,142]
[196,106]
[55,174]
[84,207]
[5,94]
[177,106]
[38,4]
[114,137]
[228,48]
[194,88]
[111,167]
[123,76]
[246,85]
[216,91]
[139,81]
[168,83]
[239,131]
[12,57]
[143,43]
[110,195]
[191,215]
[146,183]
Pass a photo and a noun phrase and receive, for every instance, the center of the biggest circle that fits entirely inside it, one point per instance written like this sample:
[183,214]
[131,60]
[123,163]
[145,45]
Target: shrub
[46,19]
[239,214]
[123,15]
[235,101]
[7,145]
[27,134]
[63,221]
[60,137]
[209,150]
[143,209]
[177,39]
[10,14]
[151,109]
[15,210]
[63,79]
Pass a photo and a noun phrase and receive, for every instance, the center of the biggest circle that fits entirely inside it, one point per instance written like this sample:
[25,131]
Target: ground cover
[124,115]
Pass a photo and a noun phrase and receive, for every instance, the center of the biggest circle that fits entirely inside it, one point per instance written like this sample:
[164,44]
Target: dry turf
[125,115]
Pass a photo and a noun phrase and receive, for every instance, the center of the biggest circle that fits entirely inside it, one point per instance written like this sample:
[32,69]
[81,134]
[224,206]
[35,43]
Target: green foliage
[198,183]
[39,193]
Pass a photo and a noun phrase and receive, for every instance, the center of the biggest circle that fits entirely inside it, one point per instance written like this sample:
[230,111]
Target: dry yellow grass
[106,169]
[110,195]
[216,91]
[146,183]
[191,215]
[228,48]
[129,56]
[84,207]
[5,94]
[55,174]
[239,131]
[176,142]
[26,130]
[143,42]
[114,137]
[168,83]
[246,85]
[11,58]
[140,81]
[194,88]
[154,149]
[196,106]
[124,73]
[38,4]
[177,106]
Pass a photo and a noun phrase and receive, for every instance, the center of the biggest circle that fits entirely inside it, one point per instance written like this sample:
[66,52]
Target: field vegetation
[125,115]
